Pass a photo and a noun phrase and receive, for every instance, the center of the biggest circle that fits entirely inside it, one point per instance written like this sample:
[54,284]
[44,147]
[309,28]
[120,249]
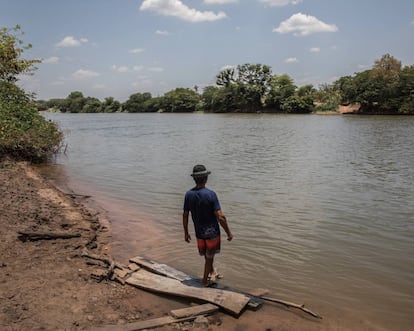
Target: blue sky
[119,47]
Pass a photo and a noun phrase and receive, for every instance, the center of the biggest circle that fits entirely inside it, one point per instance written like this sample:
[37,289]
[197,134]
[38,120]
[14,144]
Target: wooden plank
[160,268]
[189,280]
[143,325]
[204,309]
[229,301]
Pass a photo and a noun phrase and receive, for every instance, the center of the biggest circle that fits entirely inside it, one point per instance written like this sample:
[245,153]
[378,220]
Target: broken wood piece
[99,274]
[133,266]
[34,236]
[122,273]
[292,305]
[104,259]
[142,325]
[232,302]
[204,309]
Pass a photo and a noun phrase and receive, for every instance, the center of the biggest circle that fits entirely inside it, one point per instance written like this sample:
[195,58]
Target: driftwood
[291,305]
[177,316]
[34,236]
[75,195]
[106,260]
[206,308]
[109,264]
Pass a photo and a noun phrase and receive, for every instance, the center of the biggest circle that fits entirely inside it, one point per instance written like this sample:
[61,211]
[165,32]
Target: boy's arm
[187,236]
[223,222]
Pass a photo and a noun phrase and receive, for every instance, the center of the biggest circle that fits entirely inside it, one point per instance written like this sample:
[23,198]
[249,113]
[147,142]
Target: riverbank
[47,285]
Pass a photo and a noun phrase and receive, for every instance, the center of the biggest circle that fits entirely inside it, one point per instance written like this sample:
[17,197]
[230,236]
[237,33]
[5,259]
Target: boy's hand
[229,237]
[187,237]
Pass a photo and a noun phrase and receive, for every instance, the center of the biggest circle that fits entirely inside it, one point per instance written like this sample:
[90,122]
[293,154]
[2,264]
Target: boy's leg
[208,268]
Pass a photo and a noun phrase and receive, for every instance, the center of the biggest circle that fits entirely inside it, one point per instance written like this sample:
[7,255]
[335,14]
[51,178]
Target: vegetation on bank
[24,134]
[386,88]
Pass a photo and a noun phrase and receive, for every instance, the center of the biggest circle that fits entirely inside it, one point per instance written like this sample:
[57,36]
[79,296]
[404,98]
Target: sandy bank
[47,285]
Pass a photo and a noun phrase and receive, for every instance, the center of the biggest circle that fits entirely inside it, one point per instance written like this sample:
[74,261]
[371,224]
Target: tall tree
[11,49]
[281,88]
[225,77]
[136,102]
[182,100]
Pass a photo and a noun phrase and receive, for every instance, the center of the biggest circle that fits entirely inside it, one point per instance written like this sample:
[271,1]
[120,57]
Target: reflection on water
[321,207]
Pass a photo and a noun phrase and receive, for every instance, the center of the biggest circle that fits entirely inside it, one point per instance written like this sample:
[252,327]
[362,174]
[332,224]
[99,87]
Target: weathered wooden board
[177,316]
[229,301]
[144,325]
[160,268]
[254,303]
[204,309]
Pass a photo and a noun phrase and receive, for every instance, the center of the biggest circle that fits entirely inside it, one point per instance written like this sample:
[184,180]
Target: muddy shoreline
[47,284]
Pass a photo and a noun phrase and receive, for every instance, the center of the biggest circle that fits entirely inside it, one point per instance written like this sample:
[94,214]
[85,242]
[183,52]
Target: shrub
[24,133]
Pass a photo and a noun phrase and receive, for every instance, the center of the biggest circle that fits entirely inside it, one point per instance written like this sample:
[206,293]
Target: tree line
[386,88]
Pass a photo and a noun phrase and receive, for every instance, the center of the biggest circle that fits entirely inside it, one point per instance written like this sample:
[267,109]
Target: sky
[115,48]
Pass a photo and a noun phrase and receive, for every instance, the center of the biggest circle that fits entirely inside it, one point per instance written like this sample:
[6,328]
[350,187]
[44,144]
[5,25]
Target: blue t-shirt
[202,203]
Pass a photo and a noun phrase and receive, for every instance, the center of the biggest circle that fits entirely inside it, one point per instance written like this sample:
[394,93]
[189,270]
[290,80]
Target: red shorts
[209,247]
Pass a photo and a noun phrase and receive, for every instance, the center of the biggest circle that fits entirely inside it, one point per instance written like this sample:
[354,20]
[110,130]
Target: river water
[321,207]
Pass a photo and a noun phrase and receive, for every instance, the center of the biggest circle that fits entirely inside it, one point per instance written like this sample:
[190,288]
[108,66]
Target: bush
[24,133]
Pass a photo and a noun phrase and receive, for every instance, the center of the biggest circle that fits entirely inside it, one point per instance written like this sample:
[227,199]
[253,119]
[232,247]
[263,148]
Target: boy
[207,215]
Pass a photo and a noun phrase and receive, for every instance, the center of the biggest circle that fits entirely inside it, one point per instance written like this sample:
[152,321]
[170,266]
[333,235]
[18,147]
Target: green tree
[281,88]
[297,105]
[406,89]
[11,49]
[24,134]
[57,104]
[136,102]
[208,97]
[74,102]
[180,100]
[110,105]
[92,105]
[327,98]
[253,82]
[225,77]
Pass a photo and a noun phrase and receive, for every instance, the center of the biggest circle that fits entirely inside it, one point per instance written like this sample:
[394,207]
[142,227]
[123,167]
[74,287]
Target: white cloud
[177,8]
[84,74]
[99,86]
[120,69]
[162,32]
[303,25]
[280,3]
[219,2]
[155,69]
[315,50]
[138,68]
[136,50]
[52,59]
[227,67]
[71,41]
[291,60]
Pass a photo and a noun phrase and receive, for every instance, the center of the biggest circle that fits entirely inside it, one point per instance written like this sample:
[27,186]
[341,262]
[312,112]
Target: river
[321,207]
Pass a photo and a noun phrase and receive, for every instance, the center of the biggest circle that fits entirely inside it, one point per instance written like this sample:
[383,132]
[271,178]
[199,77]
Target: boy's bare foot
[209,284]
[215,275]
